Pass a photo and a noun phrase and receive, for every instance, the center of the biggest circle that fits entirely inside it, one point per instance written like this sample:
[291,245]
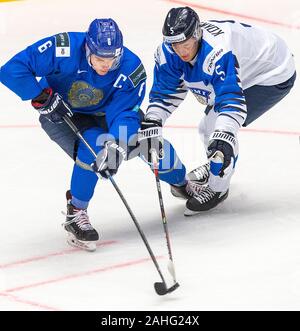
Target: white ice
[244,255]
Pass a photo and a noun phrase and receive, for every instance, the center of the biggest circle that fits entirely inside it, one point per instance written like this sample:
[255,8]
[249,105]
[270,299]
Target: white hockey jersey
[232,57]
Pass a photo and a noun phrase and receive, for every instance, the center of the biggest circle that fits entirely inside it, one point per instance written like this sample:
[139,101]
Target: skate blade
[89,246]
[189,212]
[180,197]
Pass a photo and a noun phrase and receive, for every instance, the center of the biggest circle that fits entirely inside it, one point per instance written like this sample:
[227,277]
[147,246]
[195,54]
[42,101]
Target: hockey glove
[151,140]
[109,159]
[221,148]
[52,106]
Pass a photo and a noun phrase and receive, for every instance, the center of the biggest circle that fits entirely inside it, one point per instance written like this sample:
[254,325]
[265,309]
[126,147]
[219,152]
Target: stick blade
[161,289]
[173,288]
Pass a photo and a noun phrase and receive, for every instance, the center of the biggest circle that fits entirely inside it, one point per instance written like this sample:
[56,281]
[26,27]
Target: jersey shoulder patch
[138,75]
[62,45]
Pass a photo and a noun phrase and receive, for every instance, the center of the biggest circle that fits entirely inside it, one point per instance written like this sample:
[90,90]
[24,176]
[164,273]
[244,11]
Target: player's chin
[185,58]
[102,72]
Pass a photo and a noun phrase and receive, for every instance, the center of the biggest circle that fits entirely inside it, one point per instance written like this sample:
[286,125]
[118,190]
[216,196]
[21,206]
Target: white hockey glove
[150,139]
[109,159]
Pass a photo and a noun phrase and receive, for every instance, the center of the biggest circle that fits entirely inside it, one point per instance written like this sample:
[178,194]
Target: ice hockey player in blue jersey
[238,71]
[99,83]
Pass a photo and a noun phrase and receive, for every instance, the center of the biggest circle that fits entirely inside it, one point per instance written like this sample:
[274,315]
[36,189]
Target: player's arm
[123,120]
[230,102]
[168,89]
[231,106]
[19,73]
[167,93]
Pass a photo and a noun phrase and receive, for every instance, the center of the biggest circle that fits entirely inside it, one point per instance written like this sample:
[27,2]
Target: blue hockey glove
[52,106]
[109,159]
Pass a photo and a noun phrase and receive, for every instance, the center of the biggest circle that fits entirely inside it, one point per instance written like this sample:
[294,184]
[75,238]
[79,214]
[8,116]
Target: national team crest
[83,95]
[201,95]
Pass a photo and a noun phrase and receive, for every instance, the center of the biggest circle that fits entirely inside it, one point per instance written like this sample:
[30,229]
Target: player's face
[187,49]
[101,64]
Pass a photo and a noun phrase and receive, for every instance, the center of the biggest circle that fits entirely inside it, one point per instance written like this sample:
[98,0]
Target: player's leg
[61,134]
[83,179]
[211,188]
[206,126]
[200,175]
[171,170]
[83,183]
[260,99]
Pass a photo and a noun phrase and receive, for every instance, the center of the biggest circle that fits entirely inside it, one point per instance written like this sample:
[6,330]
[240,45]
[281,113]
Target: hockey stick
[160,287]
[171,266]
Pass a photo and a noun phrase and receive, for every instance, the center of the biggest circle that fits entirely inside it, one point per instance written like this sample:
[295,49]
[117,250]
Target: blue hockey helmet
[104,39]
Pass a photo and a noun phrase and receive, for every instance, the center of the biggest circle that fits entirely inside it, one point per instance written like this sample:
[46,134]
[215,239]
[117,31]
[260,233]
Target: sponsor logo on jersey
[201,95]
[81,71]
[211,59]
[138,75]
[83,95]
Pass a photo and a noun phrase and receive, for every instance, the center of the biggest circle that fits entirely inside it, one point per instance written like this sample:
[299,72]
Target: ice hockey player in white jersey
[237,70]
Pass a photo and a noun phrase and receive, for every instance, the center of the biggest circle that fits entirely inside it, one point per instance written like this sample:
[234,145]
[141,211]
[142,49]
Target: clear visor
[116,56]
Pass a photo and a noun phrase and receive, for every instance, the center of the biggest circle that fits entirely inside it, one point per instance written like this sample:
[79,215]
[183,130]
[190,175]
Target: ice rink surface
[244,255]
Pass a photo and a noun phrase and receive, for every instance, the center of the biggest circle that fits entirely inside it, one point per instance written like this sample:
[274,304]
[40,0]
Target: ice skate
[206,200]
[200,175]
[187,191]
[79,229]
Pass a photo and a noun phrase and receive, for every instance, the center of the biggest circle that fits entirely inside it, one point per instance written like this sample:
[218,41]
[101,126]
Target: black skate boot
[200,175]
[207,199]
[80,231]
[186,191]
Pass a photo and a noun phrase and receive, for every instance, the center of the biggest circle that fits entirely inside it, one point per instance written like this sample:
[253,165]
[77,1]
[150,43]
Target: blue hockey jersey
[61,63]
